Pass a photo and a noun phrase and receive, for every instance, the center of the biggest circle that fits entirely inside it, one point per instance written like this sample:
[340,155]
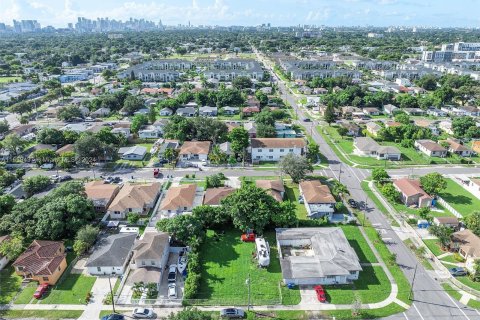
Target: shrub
[458,257]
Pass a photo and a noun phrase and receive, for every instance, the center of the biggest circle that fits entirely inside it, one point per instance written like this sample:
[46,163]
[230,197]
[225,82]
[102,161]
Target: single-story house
[43,261]
[455,147]
[451,222]
[428,124]
[207,111]
[476,146]
[137,198]
[230,111]
[165,112]
[389,124]
[111,254]
[371,111]
[3,259]
[348,111]
[312,256]
[446,126]
[366,146]
[318,199]
[195,150]
[274,149]
[414,111]
[179,199]
[373,128]
[436,112]
[187,112]
[390,109]
[411,193]
[24,129]
[354,130]
[168,144]
[251,129]
[248,111]
[102,194]
[151,250]
[65,148]
[213,196]
[468,246]
[226,148]
[132,153]
[100,112]
[430,148]
[275,188]
[150,132]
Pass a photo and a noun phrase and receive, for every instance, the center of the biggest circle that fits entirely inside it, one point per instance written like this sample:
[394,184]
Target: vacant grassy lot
[9,284]
[41,314]
[72,290]
[466,281]
[228,263]
[459,198]
[291,193]
[359,244]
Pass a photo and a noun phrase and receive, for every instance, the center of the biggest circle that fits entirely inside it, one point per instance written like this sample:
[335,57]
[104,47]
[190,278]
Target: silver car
[232,313]
[172,291]
[143,313]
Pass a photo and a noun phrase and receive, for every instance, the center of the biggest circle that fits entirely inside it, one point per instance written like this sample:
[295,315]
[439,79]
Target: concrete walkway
[100,289]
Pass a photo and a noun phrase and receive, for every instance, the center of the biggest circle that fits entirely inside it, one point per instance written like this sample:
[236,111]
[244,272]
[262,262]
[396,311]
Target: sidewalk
[100,289]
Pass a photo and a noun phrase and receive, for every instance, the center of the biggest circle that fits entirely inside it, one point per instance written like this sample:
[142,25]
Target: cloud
[10,10]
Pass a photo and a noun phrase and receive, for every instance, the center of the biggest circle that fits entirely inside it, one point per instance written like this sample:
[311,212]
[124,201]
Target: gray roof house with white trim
[132,153]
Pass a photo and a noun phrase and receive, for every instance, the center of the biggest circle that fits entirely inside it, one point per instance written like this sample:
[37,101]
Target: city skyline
[382,13]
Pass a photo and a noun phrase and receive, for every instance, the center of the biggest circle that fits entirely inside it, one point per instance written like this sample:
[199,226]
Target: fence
[67,271]
[449,207]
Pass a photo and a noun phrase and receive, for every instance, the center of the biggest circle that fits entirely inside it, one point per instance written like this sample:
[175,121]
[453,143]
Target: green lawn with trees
[459,198]
[9,284]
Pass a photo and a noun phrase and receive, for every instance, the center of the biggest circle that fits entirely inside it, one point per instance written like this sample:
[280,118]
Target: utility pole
[413,282]
[111,293]
[248,283]
[340,173]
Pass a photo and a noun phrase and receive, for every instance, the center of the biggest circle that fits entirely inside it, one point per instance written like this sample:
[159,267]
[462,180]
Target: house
[187,112]
[373,128]
[366,146]
[248,111]
[168,144]
[43,261]
[312,256]
[430,148]
[179,199]
[428,124]
[354,130]
[3,259]
[166,112]
[476,146]
[411,193]
[24,129]
[132,153]
[143,111]
[151,250]
[100,112]
[253,102]
[348,111]
[468,246]
[274,149]
[451,222]
[137,198]
[226,148]
[213,196]
[455,147]
[230,111]
[446,126]
[275,188]
[123,130]
[284,130]
[414,111]
[101,194]
[389,124]
[65,148]
[207,111]
[320,91]
[318,199]
[150,132]
[111,254]
[251,128]
[436,112]
[371,111]
[195,150]
[390,109]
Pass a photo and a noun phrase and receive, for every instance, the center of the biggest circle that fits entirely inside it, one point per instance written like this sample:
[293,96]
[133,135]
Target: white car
[143,313]
[172,291]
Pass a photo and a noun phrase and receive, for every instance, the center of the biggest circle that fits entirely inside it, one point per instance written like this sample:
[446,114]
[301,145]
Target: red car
[41,289]
[248,237]
[320,293]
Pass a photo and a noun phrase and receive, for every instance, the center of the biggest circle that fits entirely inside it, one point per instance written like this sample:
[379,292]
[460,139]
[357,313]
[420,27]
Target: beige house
[151,250]
[195,150]
[178,200]
[412,193]
[213,196]
[317,198]
[468,246]
[430,148]
[275,188]
[373,128]
[137,198]
[102,194]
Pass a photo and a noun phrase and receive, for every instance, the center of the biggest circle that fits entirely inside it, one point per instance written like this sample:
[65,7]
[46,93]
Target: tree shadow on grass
[456,199]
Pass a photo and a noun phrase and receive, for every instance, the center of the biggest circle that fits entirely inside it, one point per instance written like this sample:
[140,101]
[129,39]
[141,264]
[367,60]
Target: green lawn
[459,198]
[378,203]
[449,259]
[291,193]
[9,284]
[434,246]
[42,314]
[224,275]
[27,294]
[72,290]
[451,291]
[474,304]
[469,283]
[9,79]
[390,309]
[359,244]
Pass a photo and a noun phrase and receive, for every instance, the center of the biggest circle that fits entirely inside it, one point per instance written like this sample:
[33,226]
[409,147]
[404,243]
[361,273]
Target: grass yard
[199,183]
[450,259]
[10,284]
[27,294]
[434,246]
[372,286]
[474,304]
[378,203]
[224,275]
[41,314]
[291,193]
[459,198]
[451,291]
[469,283]
[386,311]
[9,79]
[359,244]
[72,290]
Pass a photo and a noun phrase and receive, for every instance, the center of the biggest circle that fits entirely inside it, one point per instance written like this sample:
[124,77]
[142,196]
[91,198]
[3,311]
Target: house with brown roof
[102,194]
[213,196]
[24,129]
[248,111]
[137,198]
[179,199]
[65,148]
[412,193]
[275,188]
[451,222]
[195,150]
[43,261]
[3,259]
[151,250]
[476,146]
[430,148]
[274,149]
[354,129]
[468,246]
[317,198]
[455,147]
[373,128]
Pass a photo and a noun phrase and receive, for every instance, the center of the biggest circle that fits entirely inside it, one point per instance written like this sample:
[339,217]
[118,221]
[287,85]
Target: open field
[9,79]
[459,198]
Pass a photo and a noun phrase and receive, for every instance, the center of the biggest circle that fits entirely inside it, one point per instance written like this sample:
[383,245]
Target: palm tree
[340,190]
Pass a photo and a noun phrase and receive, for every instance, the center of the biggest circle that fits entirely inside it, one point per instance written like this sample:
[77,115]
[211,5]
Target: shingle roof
[151,246]
[41,257]
[409,187]
[430,145]
[112,250]
[195,147]
[275,188]
[315,192]
[468,242]
[100,193]
[278,143]
[179,197]
[134,196]
[213,196]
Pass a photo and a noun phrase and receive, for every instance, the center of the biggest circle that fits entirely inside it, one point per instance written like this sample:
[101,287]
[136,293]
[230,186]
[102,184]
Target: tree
[425,213]
[461,125]
[217,156]
[6,178]
[170,154]
[443,233]
[106,136]
[14,144]
[190,314]
[339,189]
[296,166]
[152,114]
[85,238]
[89,149]
[133,217]
[68,113]
[242,82]
[313,151]
[4,127]
[35,184]
[475,275]
[473,222]
[265,117]
[138,121]
[266,131]
[329,115]
[70,136]
[211,216]
[403,118]
[187,229]
[239,140]
[380,175]
[51,136]
[12,247]
[20,172]
[7,202]
[428,82]
[342,131]
[67,160]
[389,191]
[44,156]
[132,104]
[433,183]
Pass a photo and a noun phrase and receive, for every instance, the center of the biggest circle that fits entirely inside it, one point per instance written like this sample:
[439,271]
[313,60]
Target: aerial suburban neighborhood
[217,170]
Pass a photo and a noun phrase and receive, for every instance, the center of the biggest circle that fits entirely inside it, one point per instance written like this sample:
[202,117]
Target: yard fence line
[449,207]
[117,295]
[67,271]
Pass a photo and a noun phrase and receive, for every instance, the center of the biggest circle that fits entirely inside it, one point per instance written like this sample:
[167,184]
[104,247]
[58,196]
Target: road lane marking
[353,171]
[413,304]
[456,305]
[405,315]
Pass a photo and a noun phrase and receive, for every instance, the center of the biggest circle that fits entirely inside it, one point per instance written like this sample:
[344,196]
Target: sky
[439,13]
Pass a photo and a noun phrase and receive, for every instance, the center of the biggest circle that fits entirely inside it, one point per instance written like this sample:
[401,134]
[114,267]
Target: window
[353,272]
[330,277]
[270,157]
[282,150]
[45,278]
[271,150]
[20,268]
[290,150]
[59,268]
[153,263]
[143,263]
[99,269]
[259,150]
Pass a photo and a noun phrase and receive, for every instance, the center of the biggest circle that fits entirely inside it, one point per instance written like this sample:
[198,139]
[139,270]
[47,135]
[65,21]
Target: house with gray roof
[367,147]
[208,111]
[111,254]
[132,153]
[311,256]
[187,112]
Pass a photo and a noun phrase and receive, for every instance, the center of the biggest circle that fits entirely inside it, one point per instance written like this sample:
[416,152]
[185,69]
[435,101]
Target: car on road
[55,177]
[143,313]
[458,271]
[65,178]
[172,291]
[114,316]
[320,292]
[353,203]
[172,273]
[307,120]
[248,237]
[41,290]
[232,313]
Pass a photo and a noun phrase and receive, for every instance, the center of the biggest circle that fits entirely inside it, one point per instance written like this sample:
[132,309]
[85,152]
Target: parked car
[458,271]
[172,290]
[320,293]
[306,120]
[114,316]
[300,199]
[41,289]
[248,237]
[172,273]
[65,178]
[143,313]
[55,177]
[352,203]
[232,313]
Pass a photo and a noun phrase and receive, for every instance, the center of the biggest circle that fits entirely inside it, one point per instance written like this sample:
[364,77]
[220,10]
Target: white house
[207,111]
[318,199]
[165,112]
[150,132]
[430,148]
[366,146]
[132,153]
[446,126]
[195,150]
[274,149]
